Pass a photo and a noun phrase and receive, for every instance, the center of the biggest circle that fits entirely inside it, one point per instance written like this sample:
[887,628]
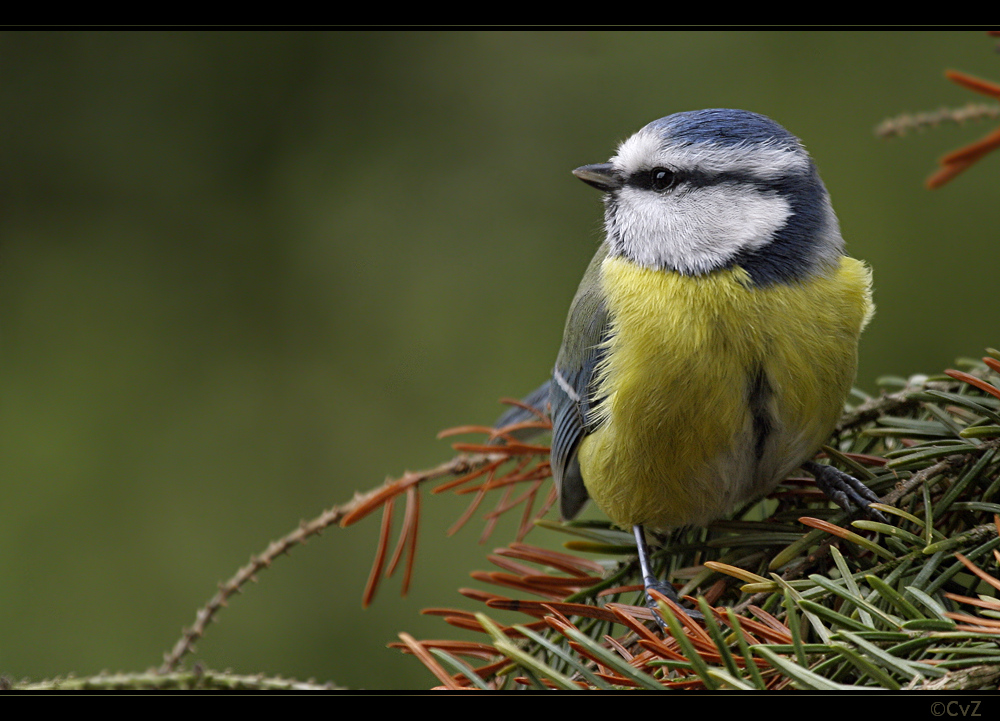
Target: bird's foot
[651,582]
[845,490]
[667,590]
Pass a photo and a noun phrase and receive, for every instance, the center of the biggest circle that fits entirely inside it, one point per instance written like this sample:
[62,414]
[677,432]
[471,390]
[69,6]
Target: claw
[666,589]
[845,490]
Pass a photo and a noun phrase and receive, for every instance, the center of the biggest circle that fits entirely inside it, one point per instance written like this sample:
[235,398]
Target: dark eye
[661,179]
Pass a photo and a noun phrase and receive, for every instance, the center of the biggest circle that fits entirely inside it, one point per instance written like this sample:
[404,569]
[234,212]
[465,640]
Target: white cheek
[697,230]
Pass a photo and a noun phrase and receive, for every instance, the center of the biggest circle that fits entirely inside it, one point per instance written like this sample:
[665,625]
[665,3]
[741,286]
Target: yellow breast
[714,389]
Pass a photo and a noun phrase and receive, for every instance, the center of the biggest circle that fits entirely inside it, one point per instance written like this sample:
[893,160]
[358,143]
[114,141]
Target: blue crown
[724,127]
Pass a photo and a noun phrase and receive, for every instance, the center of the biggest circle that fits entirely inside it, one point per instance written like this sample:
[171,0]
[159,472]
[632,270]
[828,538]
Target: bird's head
[700,191]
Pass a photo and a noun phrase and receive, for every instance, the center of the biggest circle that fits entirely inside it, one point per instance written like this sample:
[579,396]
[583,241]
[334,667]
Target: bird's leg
[844,490]
[650,581]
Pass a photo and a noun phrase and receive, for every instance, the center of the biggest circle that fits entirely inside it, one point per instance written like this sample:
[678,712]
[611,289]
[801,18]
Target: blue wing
[571,393]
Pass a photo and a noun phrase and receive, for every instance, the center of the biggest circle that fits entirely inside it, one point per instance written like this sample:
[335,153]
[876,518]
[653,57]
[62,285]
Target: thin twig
[348,513]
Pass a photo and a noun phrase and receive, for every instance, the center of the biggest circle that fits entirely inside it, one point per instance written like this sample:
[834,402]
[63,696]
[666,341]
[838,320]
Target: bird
[713,340]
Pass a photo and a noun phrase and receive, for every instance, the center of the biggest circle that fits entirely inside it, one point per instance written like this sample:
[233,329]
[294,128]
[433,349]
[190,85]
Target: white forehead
[648,148]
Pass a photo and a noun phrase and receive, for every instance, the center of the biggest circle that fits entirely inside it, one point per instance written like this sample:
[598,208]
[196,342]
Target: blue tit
[713,340]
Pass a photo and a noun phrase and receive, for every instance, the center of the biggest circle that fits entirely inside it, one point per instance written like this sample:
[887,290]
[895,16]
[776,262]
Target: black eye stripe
[658,179]
[692,178]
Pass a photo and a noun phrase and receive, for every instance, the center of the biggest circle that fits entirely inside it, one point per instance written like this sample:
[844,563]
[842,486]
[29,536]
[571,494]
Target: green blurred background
[244,274]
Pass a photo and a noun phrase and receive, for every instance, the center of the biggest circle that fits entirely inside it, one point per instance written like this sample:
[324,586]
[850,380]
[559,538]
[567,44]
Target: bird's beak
[599,175]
